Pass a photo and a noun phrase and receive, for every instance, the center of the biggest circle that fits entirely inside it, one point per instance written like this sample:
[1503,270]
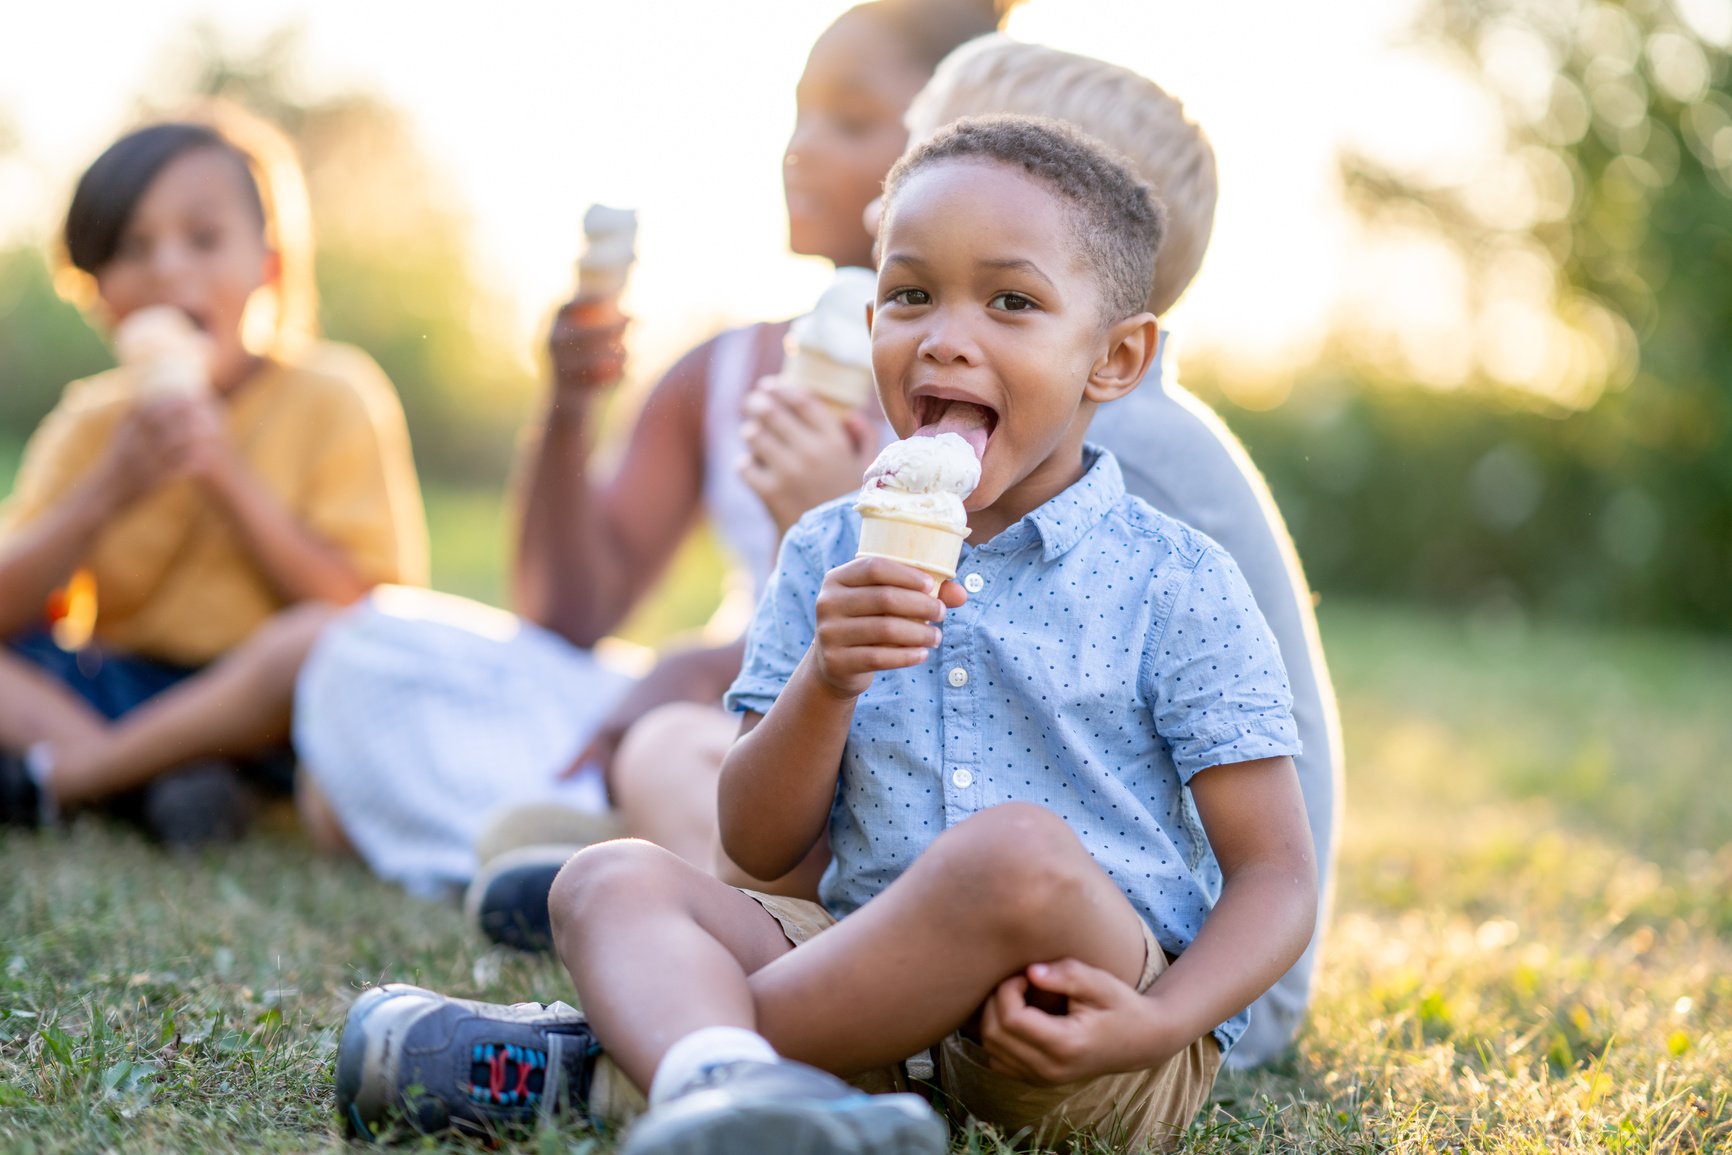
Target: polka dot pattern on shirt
[1110,654]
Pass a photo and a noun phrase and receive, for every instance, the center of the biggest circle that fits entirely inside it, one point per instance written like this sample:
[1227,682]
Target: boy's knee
[624,870]
[1020,857]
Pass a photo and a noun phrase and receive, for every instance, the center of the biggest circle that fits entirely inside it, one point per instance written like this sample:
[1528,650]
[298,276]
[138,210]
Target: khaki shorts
[1130,1110]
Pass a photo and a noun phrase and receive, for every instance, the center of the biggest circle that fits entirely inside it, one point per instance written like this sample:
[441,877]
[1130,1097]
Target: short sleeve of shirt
[785,621]
[1215,676]
[62,450]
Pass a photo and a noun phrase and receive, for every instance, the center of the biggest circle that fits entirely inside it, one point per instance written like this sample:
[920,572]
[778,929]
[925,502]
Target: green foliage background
[1489,497]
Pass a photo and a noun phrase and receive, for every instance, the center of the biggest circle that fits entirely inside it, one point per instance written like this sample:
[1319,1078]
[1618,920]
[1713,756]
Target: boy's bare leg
[318,818]
[664,787]
[658,949]
[663,781]
[36,708]
[239,704]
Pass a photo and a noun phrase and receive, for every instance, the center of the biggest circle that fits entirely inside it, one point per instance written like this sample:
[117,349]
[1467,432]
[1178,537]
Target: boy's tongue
[971,422]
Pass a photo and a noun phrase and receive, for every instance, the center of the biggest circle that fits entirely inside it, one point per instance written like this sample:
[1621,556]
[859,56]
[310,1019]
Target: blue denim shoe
[755,1108]
[433,1062]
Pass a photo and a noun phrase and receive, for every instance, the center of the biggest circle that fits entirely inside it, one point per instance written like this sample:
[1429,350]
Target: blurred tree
[1597,249]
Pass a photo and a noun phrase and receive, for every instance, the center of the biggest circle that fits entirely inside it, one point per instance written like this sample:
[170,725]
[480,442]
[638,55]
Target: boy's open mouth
[969,420]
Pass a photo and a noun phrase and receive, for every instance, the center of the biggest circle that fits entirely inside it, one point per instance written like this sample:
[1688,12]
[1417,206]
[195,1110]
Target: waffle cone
[601,280]
[932,548]
[843,387]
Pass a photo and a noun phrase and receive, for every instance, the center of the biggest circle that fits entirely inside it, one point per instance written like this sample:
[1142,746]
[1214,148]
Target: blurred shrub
[1581,460]
[1408,493]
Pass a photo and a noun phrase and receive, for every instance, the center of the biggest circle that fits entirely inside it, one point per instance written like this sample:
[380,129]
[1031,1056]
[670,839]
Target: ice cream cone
[609,251]
[932,548]
[165,351]
[601,281]
[841,386]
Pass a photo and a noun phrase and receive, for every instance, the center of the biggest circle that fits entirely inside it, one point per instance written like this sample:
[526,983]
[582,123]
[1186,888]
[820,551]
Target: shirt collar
[1063,520]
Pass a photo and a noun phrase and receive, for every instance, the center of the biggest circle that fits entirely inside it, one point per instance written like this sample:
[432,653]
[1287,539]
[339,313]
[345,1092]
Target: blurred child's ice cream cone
[609,251]
[165,351]
[829,350]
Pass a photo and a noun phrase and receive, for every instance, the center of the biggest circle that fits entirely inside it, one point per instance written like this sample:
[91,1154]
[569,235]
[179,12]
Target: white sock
[704,1048]
[39,764]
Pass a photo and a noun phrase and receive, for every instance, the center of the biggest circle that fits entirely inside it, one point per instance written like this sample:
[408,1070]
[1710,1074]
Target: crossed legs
[658,949]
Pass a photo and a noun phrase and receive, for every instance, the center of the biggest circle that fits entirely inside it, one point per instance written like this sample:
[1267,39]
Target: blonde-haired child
[1176,453]
[216,524]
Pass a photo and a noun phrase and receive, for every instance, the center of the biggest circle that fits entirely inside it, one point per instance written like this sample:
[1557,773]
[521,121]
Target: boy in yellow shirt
[219,521]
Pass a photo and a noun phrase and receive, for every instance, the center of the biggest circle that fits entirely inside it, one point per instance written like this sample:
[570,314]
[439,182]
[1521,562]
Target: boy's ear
[1130,350]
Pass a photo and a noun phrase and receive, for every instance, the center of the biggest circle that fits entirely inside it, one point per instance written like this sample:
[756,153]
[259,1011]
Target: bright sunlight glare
[680,108]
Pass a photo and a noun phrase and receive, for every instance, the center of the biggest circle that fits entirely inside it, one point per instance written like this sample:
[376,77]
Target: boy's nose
[946,339]
[169,261]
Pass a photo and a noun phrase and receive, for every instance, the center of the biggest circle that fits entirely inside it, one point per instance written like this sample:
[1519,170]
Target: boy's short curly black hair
[1117,219]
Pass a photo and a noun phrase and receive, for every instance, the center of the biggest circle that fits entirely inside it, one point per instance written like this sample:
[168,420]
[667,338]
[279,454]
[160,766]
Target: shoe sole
[901,1124]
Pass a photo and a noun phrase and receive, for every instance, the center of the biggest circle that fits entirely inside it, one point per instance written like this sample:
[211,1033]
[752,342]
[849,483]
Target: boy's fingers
[1075,978]
[890,601]
[883,571]
[884,632]
[872,659]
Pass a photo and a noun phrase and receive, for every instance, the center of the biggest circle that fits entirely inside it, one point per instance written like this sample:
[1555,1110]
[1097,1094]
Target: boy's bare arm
[40,557]
[779,779]
[1255,819]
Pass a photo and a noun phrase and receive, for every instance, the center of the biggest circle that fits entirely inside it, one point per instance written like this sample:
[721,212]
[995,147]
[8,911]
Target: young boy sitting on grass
[1069,843]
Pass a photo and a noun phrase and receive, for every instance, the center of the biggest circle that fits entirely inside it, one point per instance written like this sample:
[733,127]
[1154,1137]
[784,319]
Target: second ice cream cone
[841,386]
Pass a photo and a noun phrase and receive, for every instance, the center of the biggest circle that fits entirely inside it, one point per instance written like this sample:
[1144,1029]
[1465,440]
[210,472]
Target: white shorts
[421,714]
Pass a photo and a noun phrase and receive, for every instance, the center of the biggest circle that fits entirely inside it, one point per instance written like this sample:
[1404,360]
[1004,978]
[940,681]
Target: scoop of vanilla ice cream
[921,479]
[165,349]
[610,238]
[836,326]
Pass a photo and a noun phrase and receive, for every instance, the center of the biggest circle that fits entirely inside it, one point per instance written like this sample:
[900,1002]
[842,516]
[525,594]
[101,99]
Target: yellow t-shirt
[174,580]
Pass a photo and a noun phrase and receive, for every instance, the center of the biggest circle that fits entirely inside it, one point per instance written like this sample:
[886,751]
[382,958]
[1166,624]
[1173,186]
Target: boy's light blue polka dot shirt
[1106,653]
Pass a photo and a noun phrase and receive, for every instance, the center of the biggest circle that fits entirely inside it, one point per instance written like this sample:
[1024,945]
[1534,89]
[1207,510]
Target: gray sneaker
[755,1108]
[433,1062]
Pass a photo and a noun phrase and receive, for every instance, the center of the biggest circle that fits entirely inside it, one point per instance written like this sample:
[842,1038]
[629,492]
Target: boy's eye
[1010,302]
[205,240]
[908,297]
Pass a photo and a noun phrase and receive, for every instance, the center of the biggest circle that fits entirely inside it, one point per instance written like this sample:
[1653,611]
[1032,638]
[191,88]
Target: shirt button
[958,676]
[973,583]
[961,778]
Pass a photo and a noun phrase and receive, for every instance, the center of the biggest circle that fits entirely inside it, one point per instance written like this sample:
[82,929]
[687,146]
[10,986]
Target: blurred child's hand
[145,451]
[1063,1021]
[800,452]
[199,435]
[679,676]
[876,614]
[585,347]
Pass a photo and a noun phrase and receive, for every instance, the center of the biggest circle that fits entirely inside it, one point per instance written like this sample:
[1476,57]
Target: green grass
[1529,950]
